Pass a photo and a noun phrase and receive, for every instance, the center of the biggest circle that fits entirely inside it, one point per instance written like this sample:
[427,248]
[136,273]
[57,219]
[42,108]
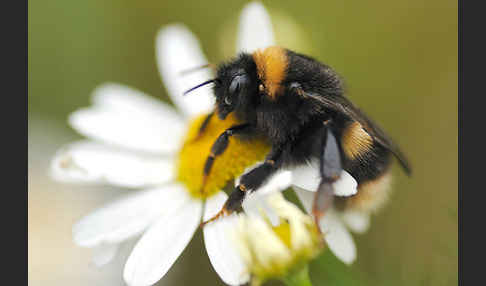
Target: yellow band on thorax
[272,64]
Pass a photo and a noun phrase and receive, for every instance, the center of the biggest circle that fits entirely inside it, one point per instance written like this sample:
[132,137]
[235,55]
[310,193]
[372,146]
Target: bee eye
[227,100]
[237,82]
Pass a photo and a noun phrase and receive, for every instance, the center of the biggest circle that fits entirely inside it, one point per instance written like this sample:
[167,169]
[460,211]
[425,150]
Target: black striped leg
[220,146]
[330,170]
[250,181]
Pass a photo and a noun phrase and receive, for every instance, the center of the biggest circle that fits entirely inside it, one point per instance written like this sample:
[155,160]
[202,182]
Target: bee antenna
[191,70]
[201,84]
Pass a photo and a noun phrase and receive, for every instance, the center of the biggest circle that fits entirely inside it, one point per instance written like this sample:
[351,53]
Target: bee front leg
[220,145]
[330,169]
[250,181]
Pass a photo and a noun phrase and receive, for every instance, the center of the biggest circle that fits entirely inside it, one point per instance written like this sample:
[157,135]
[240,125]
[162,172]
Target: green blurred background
[399,60]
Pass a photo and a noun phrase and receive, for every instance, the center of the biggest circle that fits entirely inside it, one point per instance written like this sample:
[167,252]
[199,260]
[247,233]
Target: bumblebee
[297,105]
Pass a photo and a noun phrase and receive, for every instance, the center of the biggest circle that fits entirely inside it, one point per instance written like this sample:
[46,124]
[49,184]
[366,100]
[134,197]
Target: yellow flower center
[239,155]
[283,232]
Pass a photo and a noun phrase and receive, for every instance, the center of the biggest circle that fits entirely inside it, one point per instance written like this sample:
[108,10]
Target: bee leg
[250,181]
[219,146]
[330,169]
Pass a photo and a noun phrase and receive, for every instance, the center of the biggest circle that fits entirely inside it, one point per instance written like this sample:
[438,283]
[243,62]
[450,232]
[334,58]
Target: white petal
[128,118]
[335,233]
[346,185]
[220,247]
[306,176]
[255,29]
[127,99]
[357,221]
[305,197]
[178,51]
[129,216]
[90,162]
[103,254]
[256,202]
[338,238]
[161,245]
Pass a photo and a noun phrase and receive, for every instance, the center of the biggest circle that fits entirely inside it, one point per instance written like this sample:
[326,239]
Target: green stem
[300,277]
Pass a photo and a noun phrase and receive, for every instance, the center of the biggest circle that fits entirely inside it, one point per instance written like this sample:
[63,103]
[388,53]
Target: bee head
[236,86]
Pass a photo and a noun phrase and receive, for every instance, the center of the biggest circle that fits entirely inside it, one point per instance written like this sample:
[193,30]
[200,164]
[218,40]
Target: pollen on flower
[239,155]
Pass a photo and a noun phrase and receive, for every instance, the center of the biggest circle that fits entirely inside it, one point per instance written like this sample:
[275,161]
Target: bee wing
[346,107]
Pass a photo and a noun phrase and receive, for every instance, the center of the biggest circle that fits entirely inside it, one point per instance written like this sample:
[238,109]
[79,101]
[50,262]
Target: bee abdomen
[364,159]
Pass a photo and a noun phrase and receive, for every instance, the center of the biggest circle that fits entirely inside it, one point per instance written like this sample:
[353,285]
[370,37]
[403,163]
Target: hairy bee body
[298,105]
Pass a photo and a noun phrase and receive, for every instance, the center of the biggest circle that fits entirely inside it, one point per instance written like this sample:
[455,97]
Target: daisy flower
[135,141]
[279,251]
